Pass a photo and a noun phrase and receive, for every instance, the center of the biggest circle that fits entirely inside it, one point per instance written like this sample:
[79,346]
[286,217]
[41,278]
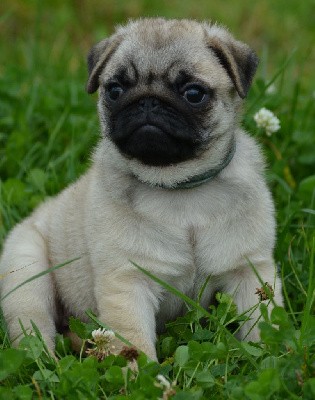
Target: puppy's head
[168,89]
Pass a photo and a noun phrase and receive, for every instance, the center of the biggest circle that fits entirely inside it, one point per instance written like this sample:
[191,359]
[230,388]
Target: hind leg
[25,255]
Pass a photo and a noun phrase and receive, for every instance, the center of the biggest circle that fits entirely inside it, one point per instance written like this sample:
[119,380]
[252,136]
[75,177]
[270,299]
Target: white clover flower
[103,335]
[266,120]
[101,342]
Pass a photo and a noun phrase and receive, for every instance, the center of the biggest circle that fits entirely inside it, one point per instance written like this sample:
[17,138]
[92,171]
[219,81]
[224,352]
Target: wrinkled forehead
[163,55]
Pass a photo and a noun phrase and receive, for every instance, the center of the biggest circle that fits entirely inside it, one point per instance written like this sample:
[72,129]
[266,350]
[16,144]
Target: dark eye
[114,91]
[195,94]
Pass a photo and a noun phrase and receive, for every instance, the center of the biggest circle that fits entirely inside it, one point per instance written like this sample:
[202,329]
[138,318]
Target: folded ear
[238,59]
[97,58]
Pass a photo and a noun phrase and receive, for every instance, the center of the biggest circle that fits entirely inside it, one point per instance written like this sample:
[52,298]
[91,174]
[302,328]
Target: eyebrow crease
[136,72]
[151,77]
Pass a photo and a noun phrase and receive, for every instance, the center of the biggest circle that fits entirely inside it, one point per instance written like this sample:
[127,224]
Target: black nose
[148,103]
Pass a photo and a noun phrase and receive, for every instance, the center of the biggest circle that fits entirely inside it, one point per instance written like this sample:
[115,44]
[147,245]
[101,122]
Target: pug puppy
[176,186]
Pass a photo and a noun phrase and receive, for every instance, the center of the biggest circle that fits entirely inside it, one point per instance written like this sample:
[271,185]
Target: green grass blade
[280,71]
[174,291]
[310,292]
[32,278]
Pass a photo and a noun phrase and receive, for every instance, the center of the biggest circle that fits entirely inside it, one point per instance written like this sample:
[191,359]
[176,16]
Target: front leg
[127,302]
[242,283]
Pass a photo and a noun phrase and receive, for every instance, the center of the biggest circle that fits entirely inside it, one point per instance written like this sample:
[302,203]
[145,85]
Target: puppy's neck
[183,175]
[199,179]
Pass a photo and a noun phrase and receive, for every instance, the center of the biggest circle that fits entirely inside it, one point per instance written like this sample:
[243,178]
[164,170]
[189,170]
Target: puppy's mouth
[153,145]
[148,129]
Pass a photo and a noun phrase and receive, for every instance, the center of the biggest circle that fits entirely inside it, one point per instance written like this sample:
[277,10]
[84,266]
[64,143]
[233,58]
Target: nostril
[142,102]
[148,103]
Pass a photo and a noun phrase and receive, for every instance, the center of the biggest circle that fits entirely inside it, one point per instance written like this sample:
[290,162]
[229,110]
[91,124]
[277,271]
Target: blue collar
[207,176]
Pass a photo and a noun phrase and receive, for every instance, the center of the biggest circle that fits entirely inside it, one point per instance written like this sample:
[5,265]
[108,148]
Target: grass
[48,126]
